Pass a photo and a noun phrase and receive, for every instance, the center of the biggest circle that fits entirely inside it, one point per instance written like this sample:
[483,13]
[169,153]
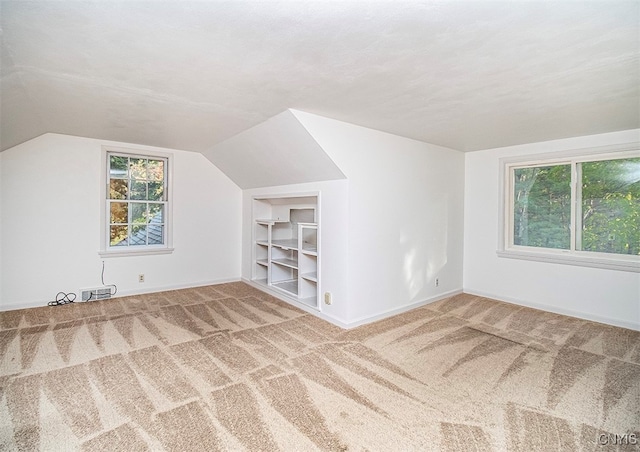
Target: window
[581,209]
[136,204]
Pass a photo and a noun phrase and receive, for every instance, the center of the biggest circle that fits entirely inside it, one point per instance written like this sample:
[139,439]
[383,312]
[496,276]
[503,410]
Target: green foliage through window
[542,208]
[611,206]
[607,209]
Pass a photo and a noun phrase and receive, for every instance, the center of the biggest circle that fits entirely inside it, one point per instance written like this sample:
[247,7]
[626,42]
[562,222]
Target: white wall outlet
[141,277]
[327,298]
[437,282]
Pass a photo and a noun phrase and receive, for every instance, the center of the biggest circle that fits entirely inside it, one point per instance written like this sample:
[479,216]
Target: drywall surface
[51,214]
[1,236]
[603,295]
[405,217]
[333,215]
[276,152]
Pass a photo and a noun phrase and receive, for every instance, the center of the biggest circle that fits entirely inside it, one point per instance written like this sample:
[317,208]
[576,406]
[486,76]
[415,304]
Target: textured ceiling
[188,75]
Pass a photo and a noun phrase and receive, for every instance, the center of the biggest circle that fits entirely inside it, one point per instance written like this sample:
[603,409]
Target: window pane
[118,235]
[138,235]
[138,190]
[156,191]
[119,212]
[156,213]
[138,212]
[542,206]
[611,206]
[156,170]
[118,166]
[118,189]
[138,168]
[156,234]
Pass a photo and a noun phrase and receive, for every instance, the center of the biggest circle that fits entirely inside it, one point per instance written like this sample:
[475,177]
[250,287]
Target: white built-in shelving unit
[285,255]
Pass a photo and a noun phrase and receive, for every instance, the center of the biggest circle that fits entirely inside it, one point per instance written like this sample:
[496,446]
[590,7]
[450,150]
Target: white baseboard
[360,321]
[400,310]
[30,304]
[125,293]
[551,308]
[293,302]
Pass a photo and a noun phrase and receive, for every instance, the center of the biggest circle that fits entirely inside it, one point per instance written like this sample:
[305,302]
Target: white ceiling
[188,75]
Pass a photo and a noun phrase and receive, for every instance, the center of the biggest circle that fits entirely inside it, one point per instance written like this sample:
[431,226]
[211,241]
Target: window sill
[144,252]
[631,264]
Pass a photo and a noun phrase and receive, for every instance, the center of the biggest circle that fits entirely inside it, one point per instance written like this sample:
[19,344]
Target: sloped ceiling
[189,75]
[279,151]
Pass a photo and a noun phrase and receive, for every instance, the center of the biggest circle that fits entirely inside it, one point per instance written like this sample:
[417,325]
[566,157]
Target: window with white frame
[137,203]
[581,208]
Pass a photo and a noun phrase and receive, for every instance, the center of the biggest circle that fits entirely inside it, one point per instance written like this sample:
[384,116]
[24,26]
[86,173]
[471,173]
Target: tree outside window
[606,200]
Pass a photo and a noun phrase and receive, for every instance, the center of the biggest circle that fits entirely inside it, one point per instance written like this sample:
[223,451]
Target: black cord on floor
[63,298]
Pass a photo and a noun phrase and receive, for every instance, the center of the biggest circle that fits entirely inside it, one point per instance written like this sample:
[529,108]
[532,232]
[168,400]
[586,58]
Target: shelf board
[310,276]
[262,242]
[291,244]
[261,281]
[262,262]
[271,221]
[291,263]
[290,286]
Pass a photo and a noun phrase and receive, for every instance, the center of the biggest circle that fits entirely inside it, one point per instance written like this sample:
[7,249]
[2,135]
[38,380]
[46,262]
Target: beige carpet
[227,367]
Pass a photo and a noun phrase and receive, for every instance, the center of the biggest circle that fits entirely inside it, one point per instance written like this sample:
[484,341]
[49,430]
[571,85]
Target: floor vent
[98,293]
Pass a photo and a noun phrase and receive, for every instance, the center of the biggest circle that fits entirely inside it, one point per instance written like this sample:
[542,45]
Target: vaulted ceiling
[189,75]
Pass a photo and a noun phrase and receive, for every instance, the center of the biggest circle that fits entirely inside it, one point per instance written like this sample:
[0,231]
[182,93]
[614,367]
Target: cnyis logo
[610,439]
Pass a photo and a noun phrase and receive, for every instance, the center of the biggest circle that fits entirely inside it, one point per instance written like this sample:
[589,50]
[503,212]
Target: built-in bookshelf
[285,255]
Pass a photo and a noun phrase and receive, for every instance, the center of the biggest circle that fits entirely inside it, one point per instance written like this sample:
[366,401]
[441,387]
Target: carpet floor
[227,367]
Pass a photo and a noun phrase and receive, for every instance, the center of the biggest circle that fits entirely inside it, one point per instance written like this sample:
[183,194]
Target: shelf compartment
[308,250]
[312,302]
[308,235]
[290,286]
[260,272]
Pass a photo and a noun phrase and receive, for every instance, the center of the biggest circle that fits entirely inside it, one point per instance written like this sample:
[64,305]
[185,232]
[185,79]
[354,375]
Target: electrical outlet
[437,282]
[141,277]
[327,298]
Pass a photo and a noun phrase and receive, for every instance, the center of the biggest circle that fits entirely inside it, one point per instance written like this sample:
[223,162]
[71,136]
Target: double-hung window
[137,204]
[582,208]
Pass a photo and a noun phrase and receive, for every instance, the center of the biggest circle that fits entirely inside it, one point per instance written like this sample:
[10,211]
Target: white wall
[278,151]
[50,198]
[602,295]
[405,217]
[1,236]
[333,231]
